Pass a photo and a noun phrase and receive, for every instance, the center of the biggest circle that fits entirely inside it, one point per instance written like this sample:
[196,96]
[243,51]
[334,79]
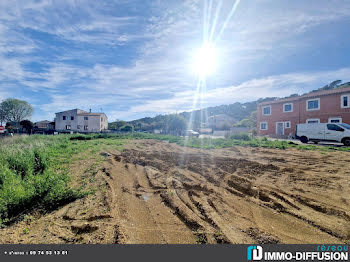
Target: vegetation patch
[28,179]
[34,171]
[240,139]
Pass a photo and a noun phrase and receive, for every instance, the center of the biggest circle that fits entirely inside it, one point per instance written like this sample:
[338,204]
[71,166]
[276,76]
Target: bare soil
[157,192]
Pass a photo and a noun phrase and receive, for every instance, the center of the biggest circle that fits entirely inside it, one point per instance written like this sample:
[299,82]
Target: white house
[80,121]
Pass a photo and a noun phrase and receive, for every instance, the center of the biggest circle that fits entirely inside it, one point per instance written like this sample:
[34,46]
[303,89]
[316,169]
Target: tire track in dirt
[114,212]
[146,219]
[214,182]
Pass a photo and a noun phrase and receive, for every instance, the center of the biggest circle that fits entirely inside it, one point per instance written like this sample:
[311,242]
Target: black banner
[179,253]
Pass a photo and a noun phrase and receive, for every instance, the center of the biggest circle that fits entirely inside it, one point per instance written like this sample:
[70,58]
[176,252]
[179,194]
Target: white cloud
[81,21]
[157,78]
[271,86]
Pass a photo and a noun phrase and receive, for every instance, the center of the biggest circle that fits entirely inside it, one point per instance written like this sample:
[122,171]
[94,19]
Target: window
[263,126]
[345,126]
[86,128]
[288,107]
[78,127]
[68,127]
[72,118]
[266,110]
[287,124]
[345,101]
[313,104]
[334,128]
[335,120]
[86,118]
[313,121]
[64,117]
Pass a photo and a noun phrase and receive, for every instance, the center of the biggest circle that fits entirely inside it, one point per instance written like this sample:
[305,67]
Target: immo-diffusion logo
[255,253]
[330,253]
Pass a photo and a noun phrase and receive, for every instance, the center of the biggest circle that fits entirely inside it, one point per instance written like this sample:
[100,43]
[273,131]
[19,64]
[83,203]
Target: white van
[332,132]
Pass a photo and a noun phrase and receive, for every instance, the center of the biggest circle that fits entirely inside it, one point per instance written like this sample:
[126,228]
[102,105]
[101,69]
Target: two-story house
[80,121]
[280,117]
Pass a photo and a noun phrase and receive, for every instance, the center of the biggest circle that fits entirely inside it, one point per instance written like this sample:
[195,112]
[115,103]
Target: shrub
[241,136]
[27,179]
[81,137]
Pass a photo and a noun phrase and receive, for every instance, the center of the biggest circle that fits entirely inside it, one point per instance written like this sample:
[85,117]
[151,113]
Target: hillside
[238,111]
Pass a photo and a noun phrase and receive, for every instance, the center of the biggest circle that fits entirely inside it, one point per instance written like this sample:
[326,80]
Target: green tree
[249,122]
[14,110]
[127,128]
[28,125]
[117,125]
[176,124]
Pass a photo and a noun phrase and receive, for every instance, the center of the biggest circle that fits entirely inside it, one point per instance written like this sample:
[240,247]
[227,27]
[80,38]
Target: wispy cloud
[82,21]
[271,86]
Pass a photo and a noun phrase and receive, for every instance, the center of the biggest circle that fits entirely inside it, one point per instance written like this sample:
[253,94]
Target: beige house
[44,124]
[81,121]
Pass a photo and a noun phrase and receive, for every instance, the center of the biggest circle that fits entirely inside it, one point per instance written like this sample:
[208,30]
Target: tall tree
[176,124]
[16,110]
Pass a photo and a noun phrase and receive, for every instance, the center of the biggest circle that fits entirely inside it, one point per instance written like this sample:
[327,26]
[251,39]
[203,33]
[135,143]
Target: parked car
[331,132]
[192,133]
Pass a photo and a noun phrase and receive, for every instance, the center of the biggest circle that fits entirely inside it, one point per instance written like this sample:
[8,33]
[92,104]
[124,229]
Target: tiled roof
[313,94]
[83,113]
[91,114]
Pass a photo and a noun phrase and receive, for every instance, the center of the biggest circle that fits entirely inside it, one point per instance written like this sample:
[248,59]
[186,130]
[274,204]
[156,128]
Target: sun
[204,63]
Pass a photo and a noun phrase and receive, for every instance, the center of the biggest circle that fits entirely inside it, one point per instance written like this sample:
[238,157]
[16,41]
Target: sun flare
[205,60]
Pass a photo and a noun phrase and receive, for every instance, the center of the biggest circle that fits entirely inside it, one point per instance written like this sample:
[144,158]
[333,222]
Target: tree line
[174,124]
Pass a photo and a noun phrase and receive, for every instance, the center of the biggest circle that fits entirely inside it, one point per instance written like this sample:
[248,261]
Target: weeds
[25,230]
[241,136]
[28,179]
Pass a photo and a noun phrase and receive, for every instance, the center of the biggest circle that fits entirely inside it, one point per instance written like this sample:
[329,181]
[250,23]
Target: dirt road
[157,192]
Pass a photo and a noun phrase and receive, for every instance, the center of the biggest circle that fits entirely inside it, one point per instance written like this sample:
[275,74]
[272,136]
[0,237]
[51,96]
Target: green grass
[34,172]
[241,139]
[245,140]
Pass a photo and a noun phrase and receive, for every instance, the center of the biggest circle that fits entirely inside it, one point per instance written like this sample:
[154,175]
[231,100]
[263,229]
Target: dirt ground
[157,192]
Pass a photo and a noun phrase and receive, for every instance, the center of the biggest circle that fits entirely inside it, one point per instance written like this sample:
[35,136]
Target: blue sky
[132,58]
